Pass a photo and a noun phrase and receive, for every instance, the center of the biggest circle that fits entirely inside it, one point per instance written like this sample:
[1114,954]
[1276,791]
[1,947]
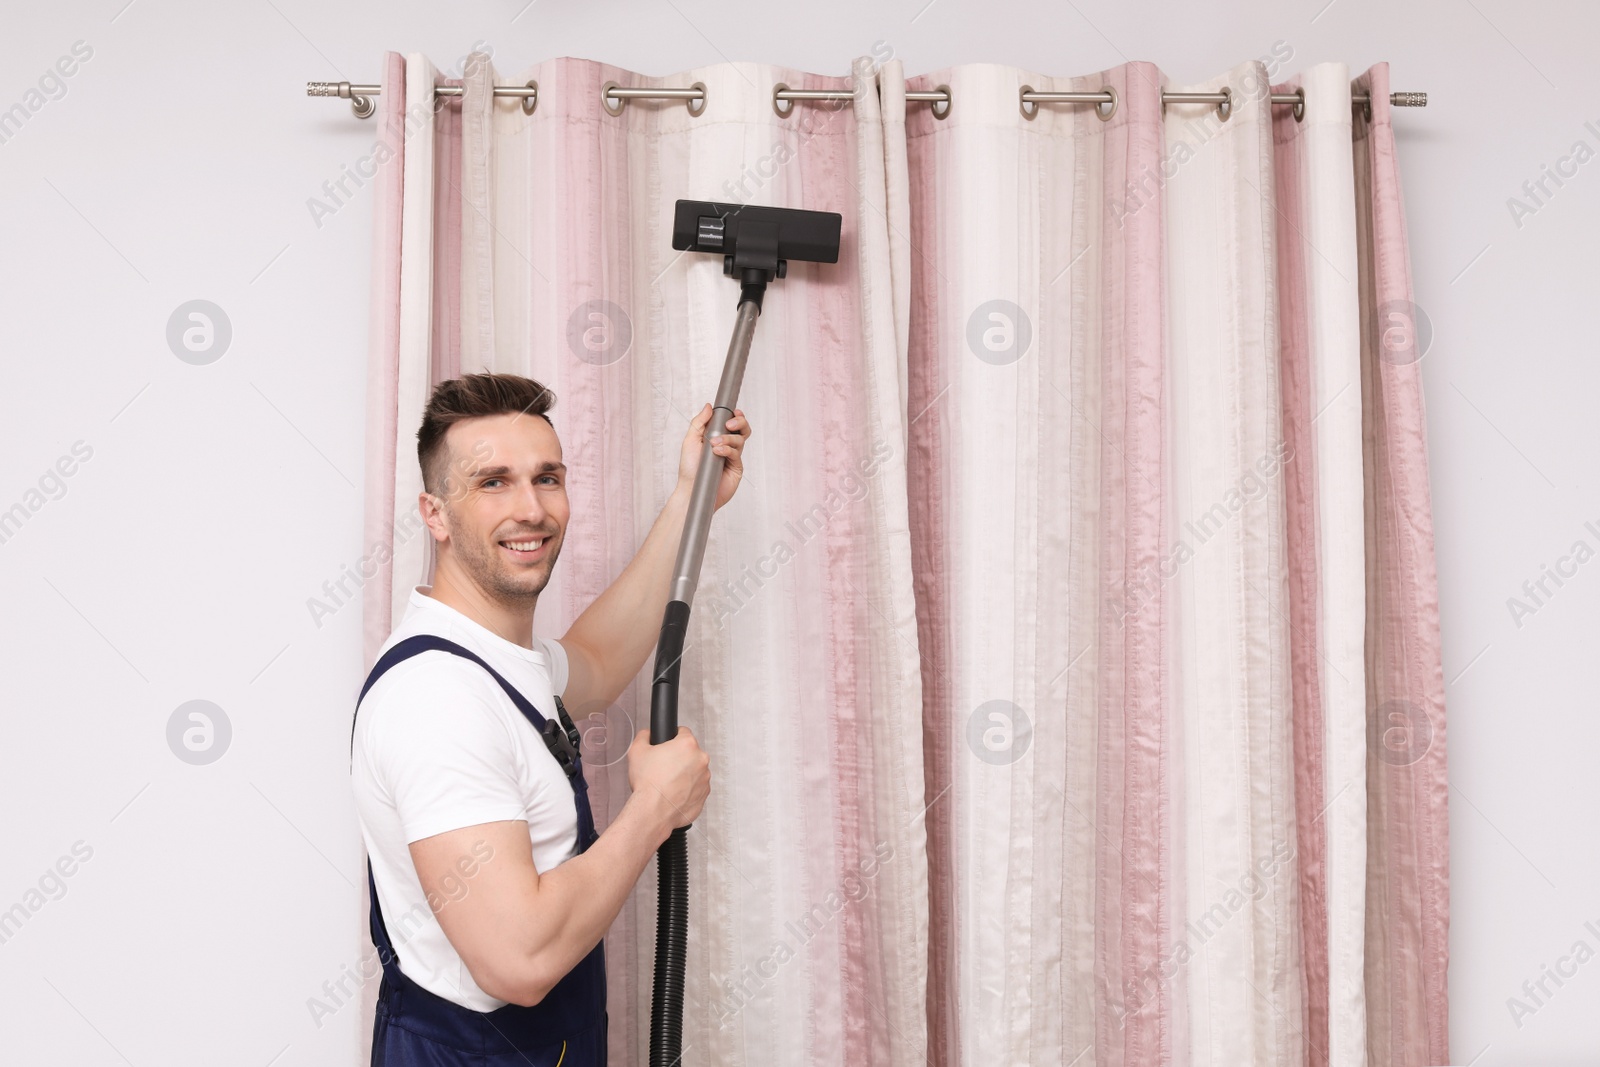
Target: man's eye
[486,481]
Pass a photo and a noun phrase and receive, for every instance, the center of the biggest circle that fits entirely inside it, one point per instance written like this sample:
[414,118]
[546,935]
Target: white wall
[177,563]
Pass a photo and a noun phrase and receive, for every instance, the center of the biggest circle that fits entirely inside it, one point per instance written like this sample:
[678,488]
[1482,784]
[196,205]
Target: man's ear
[432,509]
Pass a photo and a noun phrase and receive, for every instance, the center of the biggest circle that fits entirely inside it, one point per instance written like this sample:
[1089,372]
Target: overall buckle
[561,738]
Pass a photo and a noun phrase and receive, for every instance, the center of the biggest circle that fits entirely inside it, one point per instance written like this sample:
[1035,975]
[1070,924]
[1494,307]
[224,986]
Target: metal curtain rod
[614,97]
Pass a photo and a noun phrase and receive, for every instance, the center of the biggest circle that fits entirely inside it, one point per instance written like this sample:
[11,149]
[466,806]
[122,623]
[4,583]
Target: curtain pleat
[413,556]
[1322,476]
[1231,618]
[380,528]
[380,518]
[1070,655]
[1408,867]
[1037,465]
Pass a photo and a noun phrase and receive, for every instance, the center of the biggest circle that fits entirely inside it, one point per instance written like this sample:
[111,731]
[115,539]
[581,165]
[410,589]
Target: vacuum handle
[696,525]
[664,688]
[703,498]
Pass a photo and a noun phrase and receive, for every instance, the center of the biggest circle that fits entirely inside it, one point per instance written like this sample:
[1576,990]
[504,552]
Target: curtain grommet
[529,103]
[1023,102]
[779,105]
[1225,107]
[948,102]
[605,99]
[1105,116]
[690,101]
[1300,104]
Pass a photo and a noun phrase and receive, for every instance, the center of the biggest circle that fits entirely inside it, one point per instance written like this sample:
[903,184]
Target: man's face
[506,486]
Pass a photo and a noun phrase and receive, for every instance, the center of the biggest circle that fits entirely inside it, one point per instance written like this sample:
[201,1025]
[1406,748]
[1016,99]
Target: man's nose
[529,507]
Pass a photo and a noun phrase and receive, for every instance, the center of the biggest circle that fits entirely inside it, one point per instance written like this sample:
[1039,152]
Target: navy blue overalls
[414,1027]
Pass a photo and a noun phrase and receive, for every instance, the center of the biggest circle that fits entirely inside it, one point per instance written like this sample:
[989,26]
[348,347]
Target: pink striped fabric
[1036,395]
[383,357]
[1408,869]
[449,327]
[1237,955]
[1320,363]
[425,281]
[1070,657]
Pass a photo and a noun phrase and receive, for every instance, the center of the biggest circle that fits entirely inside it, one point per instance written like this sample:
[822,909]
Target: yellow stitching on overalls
[563,1053]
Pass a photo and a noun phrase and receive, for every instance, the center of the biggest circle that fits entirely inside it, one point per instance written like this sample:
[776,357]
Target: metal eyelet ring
[1105,116]
[784,108]
[531,102]
[1366,108]
[689,102]
[1023,102]
[1300,104]
[605,99]
[1225,108]
[948,102]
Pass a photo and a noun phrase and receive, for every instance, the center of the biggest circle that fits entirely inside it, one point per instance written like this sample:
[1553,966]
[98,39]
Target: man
[491,891]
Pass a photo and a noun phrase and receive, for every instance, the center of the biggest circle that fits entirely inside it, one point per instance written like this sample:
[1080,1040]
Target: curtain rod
[614,97]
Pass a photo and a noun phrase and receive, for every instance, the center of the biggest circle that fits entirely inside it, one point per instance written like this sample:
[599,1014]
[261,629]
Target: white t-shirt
[439,745]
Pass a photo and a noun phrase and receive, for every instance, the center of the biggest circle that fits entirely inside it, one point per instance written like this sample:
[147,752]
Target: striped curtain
[541,245]
[1071,655]
[1174,576]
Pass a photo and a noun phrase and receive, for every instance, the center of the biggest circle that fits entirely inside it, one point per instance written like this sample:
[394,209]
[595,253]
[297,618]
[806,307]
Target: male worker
[491,891]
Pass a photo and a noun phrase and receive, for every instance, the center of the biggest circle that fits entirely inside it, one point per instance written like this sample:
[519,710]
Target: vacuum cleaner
[756,244]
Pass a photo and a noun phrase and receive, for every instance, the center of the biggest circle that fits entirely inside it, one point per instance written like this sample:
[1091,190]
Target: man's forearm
[577,901]
[620,627]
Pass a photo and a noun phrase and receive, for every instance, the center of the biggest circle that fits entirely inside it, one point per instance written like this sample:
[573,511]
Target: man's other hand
[674,777]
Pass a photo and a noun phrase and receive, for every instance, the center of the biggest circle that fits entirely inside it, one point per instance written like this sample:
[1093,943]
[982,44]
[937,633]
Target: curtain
[1230,615]
[1070,655]
[1320,368]
[1037,466]
[1143,466]
[1408,863]
[541,245]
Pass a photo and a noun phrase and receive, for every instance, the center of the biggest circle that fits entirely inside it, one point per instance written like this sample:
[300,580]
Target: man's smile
[527,549]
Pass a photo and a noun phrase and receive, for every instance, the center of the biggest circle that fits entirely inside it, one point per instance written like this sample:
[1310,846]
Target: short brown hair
[473,396]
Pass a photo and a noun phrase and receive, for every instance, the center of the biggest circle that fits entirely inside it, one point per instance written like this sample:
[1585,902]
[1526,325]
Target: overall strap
[560,735]
[562,742]
[563,736]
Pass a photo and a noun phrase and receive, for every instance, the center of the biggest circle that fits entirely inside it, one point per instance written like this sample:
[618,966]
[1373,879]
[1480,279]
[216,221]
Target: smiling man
[491,890]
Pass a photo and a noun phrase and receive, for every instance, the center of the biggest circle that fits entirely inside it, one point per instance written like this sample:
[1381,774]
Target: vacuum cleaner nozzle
[753,237]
